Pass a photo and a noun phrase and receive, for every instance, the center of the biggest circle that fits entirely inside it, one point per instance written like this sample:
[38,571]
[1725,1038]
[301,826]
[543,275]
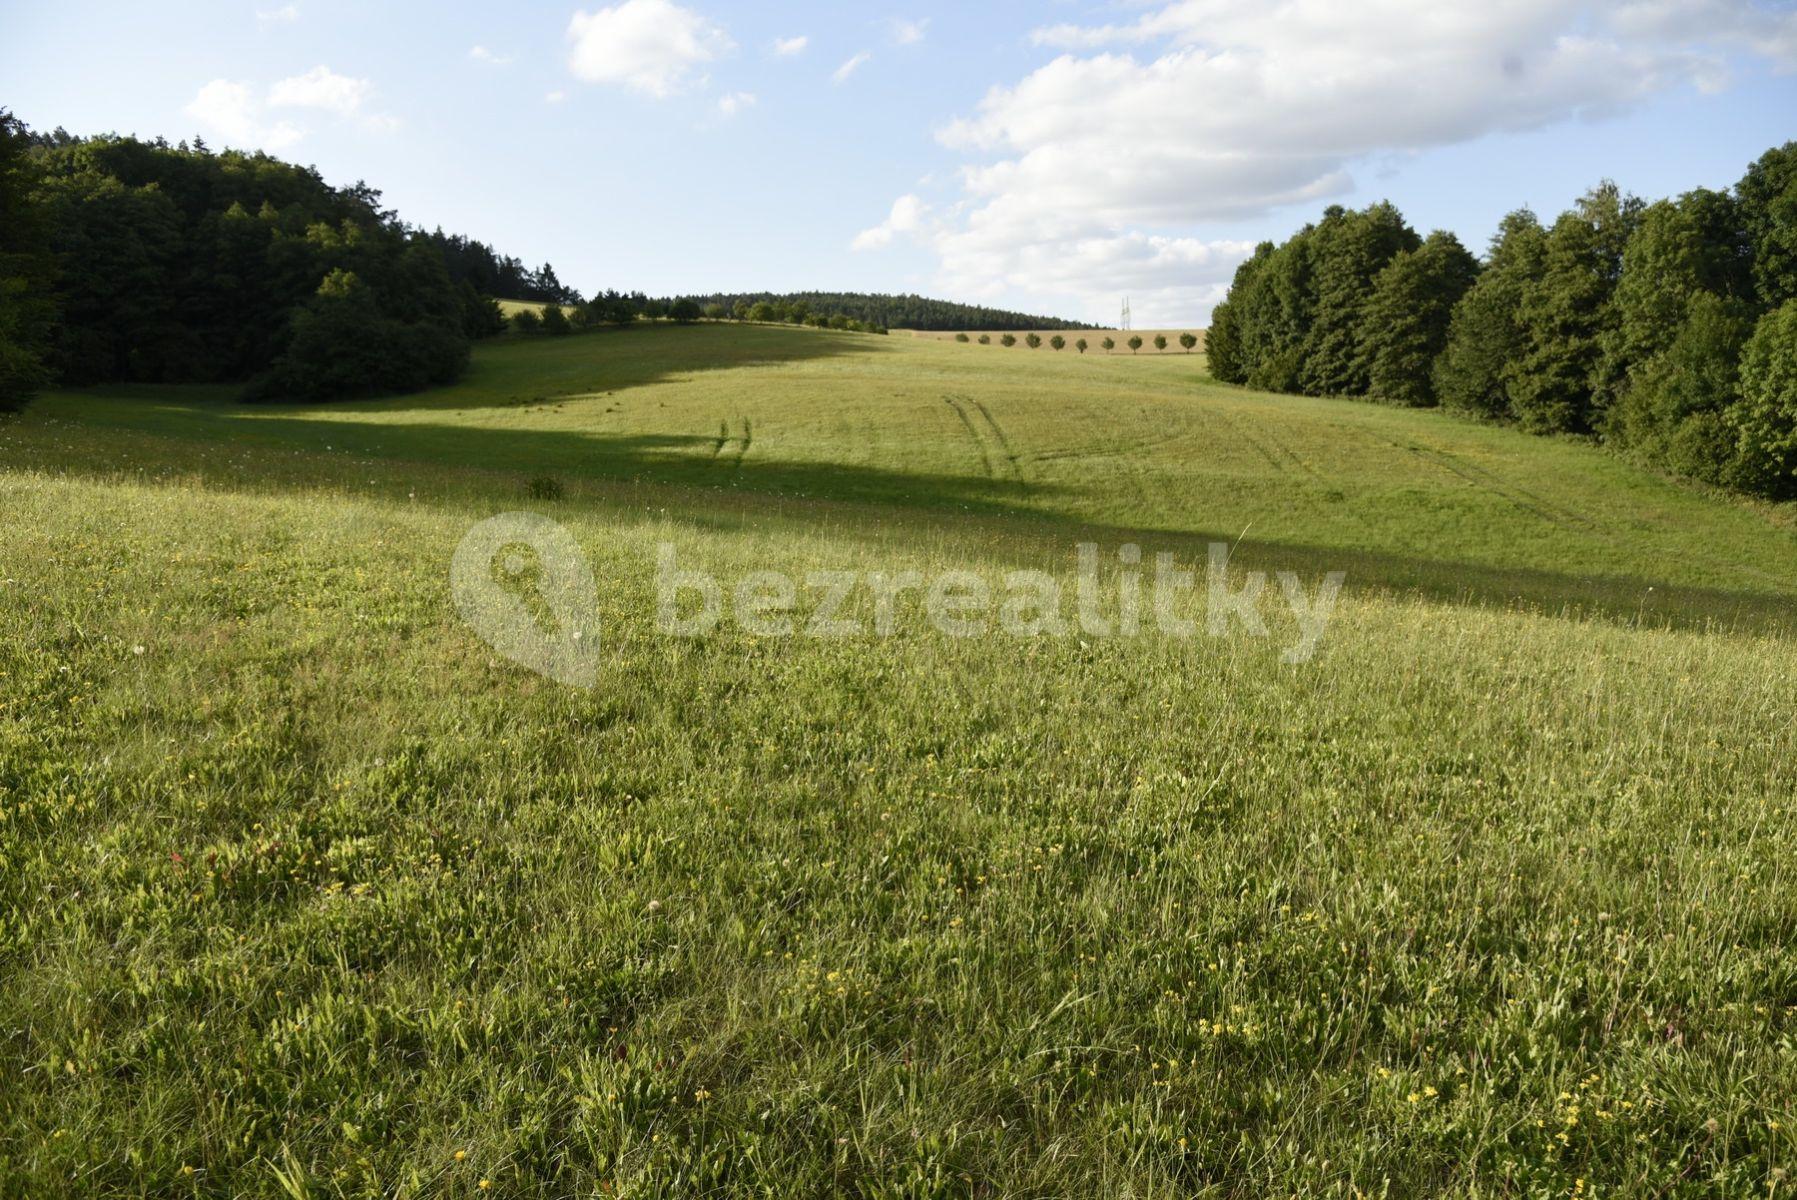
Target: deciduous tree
[1404,323]
[1476,371]
[1767,415]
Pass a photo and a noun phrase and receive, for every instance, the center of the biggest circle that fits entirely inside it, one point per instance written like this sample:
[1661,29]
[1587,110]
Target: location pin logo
[522,582]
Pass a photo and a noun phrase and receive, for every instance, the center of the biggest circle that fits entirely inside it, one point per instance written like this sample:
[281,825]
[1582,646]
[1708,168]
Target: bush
[1080,345]
[22,370]
[1160,341]
[617,310]
[961,337]
[27,271]
[1187,341]
[544,487]
[527,321]
[1109,344]
[1135,343]
[1767,414]
[685,312]
[481,315]
[1008,339]
[342,347]
[985,339]
[1678,411]
[555,321]
[1058,342]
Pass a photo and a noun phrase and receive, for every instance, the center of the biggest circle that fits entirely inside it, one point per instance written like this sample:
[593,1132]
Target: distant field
[508,307]
[1092,336]
[304,891]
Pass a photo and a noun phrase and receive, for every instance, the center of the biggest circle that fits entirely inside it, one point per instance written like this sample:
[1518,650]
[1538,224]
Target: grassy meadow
[305,892]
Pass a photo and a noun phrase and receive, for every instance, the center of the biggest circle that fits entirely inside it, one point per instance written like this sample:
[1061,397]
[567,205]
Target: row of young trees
[126,260]
[1668,329]
[1056,342]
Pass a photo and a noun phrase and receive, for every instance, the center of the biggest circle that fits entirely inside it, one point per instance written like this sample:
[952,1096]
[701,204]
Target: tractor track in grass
[725,439]
[1547,510]
[1129,457]
[1497,485]
[1277,454]
[988,436]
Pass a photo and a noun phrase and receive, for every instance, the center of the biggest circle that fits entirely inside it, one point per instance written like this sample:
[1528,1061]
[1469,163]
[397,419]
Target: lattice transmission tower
[1125,322]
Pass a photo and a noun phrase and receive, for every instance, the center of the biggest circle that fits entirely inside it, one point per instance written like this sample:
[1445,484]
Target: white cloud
[908,33]
[555,97]
[907,216]
[231,110]
[653,46]
[788,47]
[1763,30]
[236,112]
[735,102]
[323,88]
[482,54]
[1097,171]
[842,73]
[287,14]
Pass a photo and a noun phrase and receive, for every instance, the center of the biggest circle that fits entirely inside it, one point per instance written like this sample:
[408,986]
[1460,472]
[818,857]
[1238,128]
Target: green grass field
[304,891]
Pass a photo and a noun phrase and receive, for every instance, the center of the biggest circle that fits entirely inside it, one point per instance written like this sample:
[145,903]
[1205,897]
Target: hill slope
[306,888]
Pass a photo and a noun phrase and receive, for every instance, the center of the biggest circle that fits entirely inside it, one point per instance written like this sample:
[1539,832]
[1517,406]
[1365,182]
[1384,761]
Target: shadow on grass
[698,480]
[521,371]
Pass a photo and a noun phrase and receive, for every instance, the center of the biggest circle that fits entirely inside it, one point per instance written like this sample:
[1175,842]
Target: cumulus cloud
[232,111]
[788,47]
[907,216]
[1098,170]
[323,88]
[652,46]
[735,102]
[287,14]
[484,55]
[842,73]
[237,112]
[1760,30]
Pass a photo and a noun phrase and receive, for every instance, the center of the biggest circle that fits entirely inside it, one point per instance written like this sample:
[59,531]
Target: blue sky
[1051,156]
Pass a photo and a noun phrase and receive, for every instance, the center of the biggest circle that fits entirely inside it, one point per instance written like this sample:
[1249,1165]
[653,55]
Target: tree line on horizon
[876,311]
[624,310]
[1667,329]
[124,260]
